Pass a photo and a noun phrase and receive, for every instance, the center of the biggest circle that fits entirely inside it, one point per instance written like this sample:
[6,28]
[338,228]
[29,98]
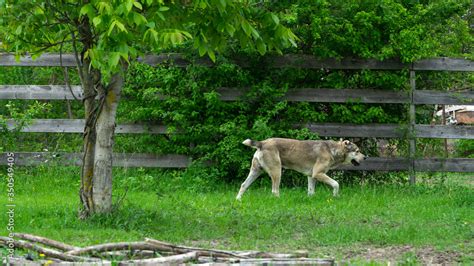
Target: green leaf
[223,3]
[19,30]
[187,34]
[119,25]
[247,28]
[202,50]
[111,27]
[163,8]
[151,24]
[96,21]
[88,10]
[129,5]
[212,55]
[230,29]
[138,5]
[275,18]
[114,59]
[160,15]
[261,47]
[139,19]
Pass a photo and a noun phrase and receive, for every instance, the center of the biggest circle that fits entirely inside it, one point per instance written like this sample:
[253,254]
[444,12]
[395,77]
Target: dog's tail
[252,143]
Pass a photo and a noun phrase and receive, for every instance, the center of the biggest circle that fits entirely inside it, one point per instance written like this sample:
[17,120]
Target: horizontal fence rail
[40,92]
[288,61]
[181,161]
[61,92]
[77,126]
[322,129]
[119,159]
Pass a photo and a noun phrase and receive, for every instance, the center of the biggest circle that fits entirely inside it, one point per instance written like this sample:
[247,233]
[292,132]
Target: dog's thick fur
[313,158]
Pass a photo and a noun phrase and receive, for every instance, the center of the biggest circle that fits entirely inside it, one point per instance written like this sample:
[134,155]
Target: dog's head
[353,154]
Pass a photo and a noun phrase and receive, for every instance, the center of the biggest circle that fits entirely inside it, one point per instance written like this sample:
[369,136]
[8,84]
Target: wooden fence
[410,131]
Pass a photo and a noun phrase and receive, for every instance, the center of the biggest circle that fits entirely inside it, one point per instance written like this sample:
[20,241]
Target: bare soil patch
[424,255]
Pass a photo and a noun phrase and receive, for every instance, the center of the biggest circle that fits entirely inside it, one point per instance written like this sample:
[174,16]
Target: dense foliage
[208,129]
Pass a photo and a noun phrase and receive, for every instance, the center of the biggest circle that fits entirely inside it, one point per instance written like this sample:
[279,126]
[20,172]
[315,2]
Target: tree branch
[45,241]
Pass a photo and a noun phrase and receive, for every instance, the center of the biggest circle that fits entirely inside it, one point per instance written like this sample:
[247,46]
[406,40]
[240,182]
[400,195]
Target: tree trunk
[89,137]
[105,128]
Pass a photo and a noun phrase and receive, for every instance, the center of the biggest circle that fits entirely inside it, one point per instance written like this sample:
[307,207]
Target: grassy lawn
[163,206]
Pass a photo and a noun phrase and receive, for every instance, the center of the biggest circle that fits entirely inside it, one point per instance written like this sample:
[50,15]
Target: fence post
[411,130]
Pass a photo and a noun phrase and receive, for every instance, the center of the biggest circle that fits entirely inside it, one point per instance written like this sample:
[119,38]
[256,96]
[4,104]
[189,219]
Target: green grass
[163,205]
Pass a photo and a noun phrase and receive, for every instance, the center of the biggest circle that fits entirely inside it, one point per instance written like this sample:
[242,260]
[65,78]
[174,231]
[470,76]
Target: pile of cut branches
[147,252]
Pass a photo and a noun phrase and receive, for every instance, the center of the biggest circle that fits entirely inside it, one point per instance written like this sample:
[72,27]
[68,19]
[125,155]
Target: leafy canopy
[111,31]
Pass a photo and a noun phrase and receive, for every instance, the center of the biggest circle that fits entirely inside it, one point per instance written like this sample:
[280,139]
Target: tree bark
[89,137]
[105,128]
[45,241]
[170,260]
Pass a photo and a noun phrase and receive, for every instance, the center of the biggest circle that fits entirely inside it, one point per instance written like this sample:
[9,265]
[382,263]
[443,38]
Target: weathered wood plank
[77,126]
[312,62]
[323,129]
[119,159]
[379,164]
[182,161]
[444,64]
[290,61]
[40,92]
[174,59]
[345,95]
[444,131]
[444,97]
[445,165]
[61,92]
[325,95]
[46,59]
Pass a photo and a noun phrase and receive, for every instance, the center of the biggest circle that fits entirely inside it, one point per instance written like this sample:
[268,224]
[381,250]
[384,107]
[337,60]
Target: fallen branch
[20,261]
[45,241]
[285,261]
[163,246]
[261,254]
[113,247]
[65,263]
[46,251]
[126,254]
[176,259]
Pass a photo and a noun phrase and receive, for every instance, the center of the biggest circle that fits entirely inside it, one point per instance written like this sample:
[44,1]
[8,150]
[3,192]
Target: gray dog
[313,158]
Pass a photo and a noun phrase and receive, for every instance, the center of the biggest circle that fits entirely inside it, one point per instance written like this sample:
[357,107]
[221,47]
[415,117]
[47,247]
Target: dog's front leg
[333,183]
[311,185]
[319,173]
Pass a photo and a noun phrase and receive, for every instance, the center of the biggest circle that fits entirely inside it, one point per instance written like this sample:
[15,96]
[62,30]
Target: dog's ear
[346,142]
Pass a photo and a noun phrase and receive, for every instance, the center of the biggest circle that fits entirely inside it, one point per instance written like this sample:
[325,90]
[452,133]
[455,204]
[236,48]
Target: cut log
[50,253]
[45,241]
[20,262]
[287,261]
[176,259]
[113,247]
[202,251]
[133,254]
[261,254]
[63,263]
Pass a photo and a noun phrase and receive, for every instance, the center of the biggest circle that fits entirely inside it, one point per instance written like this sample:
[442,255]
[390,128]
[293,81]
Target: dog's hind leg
[275,174]
[255,172]
[311,185]
[271,163]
